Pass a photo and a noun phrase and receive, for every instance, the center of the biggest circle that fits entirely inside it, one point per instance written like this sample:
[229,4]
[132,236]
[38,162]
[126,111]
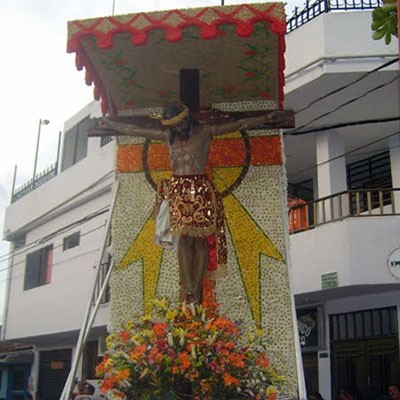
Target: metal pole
[13,184]
[88,319]
[58,152]
[44,122]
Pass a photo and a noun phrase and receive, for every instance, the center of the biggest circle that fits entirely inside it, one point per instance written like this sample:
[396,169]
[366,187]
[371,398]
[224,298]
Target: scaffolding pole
[91,310]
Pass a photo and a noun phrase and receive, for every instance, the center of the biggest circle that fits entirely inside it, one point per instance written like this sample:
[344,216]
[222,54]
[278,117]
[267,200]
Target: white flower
[170,339]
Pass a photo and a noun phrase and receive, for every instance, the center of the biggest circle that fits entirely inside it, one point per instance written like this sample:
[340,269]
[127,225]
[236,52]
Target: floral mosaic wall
[248,170]
[121,56]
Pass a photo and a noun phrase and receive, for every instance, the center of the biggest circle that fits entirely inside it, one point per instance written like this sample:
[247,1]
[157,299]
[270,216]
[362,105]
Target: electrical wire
[347,153]
[354,99]
[75,196]
[43,239]
[363,76]
[99,181]
[345,125]
[37,242]
[14,277]
[55,247]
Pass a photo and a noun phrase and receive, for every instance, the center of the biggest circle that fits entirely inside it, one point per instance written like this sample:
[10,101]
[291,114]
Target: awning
[136,61]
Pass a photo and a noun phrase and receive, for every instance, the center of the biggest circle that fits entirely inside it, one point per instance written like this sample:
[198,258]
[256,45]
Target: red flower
[229,89]
[129,103]
[250,53]
[251,74]
[162,93]
[265,95]
[121,62]
[132,82]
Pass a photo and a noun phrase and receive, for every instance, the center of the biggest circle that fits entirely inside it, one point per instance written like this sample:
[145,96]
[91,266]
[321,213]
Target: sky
[39,80]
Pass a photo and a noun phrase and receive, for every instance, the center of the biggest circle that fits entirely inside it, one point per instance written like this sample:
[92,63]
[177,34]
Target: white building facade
[56,231]
[343,161]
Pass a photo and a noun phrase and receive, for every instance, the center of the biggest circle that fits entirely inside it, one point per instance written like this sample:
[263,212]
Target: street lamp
[41,122]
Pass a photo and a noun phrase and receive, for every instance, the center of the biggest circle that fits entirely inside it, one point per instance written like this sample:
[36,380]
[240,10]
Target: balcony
[350,203]
[319,7]
[34,183]
[350,234]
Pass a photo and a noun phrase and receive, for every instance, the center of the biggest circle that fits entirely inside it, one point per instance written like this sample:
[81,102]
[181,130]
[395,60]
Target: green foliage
[384,21]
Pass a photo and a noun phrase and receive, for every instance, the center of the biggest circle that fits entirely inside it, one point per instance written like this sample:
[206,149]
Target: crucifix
[194,205]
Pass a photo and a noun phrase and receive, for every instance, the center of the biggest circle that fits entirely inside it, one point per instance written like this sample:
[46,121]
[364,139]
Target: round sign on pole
[394,263]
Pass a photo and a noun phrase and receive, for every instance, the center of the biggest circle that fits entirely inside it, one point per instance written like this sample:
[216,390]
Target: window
[71,241]
[104,140]
[19,241]
[371,173]
[38,268]
[75,144]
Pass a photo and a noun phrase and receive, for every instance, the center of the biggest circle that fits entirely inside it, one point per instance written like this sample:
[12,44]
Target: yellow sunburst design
[242,229]
[143,248]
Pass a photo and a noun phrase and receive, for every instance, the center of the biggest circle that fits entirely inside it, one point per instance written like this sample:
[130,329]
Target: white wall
[356,248]
[48,199]
[73,195]
[61,304]
[331,43]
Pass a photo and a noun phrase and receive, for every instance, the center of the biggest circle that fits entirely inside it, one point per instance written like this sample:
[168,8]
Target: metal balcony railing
[312,10]
[32,184]
[351,203]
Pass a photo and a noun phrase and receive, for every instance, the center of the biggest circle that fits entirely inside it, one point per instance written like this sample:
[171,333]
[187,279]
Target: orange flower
[229,380]
[156,355]
[272,396]
[108,383]
[175,370]
[223,324]
[138,352]
[205,387]
[262,360]
[124,336]
[184,360]
[236,360]
[123,375]
[160,329]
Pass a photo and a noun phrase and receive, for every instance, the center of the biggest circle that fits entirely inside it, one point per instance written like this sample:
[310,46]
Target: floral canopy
[139,61]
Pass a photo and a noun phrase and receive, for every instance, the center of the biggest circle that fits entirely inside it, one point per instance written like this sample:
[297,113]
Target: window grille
[370,173]
[104,140]
[366,324]
[71,241]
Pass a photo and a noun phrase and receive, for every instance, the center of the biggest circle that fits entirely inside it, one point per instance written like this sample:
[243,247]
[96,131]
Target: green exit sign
[329,280]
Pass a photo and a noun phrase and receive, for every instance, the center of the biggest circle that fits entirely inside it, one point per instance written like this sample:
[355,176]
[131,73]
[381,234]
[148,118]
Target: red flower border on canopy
[173,22]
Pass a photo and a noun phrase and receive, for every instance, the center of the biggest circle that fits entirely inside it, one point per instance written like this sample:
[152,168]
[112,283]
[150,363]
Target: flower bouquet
[186,352]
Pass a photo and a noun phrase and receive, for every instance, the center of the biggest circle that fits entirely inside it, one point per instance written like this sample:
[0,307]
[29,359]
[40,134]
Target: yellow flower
[146,317]
[130,325]
[170,315]
[271,390]
[161,303]
[110,341]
